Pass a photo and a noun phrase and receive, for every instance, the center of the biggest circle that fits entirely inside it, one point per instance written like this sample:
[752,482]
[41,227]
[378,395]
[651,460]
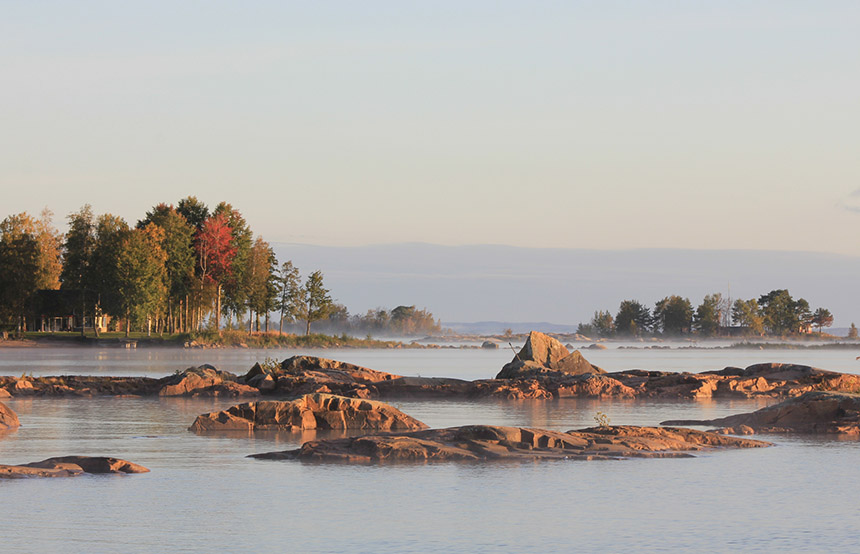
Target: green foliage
[317,302]
[673,315]
[290,297]
[19,266]
[746,313]
[632,318]
[822,318]
[708,315]
[603,324]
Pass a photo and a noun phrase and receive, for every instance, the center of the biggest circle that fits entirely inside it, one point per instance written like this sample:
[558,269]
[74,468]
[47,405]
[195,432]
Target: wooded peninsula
[179,270]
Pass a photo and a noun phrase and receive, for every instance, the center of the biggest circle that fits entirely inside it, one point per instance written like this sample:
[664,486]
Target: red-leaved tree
[215,254]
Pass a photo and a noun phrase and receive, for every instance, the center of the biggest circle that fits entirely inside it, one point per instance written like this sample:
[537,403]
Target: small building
[62,310]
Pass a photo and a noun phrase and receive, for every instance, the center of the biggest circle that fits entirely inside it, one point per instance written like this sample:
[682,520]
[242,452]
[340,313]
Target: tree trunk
[267,322]
[281,324]
[308,328]
[250,322]
[127,323]
[83,312]
[218,310]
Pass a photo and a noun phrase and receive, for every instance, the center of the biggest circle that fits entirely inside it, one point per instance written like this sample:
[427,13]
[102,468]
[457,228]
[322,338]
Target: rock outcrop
[484,442]
[816,412]
[205,380]
[8,418]
[531,379]
[542,355]
[70,466]
[315,411]
[771,380]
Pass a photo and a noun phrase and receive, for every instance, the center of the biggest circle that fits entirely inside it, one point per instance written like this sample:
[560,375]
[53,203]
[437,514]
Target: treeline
[179,269]
[775,313]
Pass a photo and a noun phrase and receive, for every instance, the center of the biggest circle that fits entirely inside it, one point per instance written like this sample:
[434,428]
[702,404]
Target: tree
[50,256]
[290,295]
[746,313]
[140,275]
[19,267]
[673,315]
[260,266]
[318,303]
[803,314]
[215,254]
[584,329]
[194,211]
[632,318]
[177,245]
[783,314]
[78,249]
[237,287]
[602,323]
[111,231]
[708,315]
[822,318]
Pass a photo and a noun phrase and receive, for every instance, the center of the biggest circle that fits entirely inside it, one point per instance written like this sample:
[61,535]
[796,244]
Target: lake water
[204,495]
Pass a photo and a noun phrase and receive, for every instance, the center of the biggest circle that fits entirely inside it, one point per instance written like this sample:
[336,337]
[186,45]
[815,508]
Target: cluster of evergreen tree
[400,321]
[179,269]
[775,313]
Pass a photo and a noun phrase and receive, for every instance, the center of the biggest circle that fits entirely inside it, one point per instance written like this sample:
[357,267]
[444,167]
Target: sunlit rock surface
[543,355]
[484,443]
[315,411]
[817,412]
[8,418]
[70,466]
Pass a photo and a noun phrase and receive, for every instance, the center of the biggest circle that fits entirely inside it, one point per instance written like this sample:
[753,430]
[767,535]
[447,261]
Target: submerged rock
[70,466]
[8,418]
[544,355]
[485,442]
[812,412]
[315,411]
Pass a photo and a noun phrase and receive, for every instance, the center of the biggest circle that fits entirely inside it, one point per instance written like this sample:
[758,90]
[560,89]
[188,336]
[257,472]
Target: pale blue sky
[562,124]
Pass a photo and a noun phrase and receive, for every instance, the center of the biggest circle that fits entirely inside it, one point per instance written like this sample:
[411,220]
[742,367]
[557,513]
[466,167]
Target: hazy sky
[566,124]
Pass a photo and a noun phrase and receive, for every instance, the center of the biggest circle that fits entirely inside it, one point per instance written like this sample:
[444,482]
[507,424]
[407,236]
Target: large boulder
[543,355]
[484,442]
[70,466]
[812,412]
[8,418]
[311,412]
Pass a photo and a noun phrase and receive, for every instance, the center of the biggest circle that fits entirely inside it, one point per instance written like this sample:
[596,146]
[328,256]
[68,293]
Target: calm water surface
[204,495]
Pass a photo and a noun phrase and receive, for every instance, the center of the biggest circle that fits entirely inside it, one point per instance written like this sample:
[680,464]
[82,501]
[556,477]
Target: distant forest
[181,269]
[776,313]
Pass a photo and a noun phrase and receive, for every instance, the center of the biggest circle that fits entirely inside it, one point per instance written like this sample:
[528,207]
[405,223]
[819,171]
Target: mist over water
[204,495]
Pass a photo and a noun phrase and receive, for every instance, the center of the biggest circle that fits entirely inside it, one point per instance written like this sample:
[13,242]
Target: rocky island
[70,466]
[816,412]
[542,369]
[485,442]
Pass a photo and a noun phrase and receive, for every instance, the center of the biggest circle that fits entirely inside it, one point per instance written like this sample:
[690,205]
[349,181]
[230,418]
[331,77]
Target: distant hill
[486,283]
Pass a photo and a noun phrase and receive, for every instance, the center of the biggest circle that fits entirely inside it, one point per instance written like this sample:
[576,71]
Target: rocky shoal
[759,380]
[70,466]
[484,442]
[816,412]
[542,369]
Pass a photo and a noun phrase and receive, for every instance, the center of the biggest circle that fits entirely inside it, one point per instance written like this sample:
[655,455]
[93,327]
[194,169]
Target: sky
[574,124]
